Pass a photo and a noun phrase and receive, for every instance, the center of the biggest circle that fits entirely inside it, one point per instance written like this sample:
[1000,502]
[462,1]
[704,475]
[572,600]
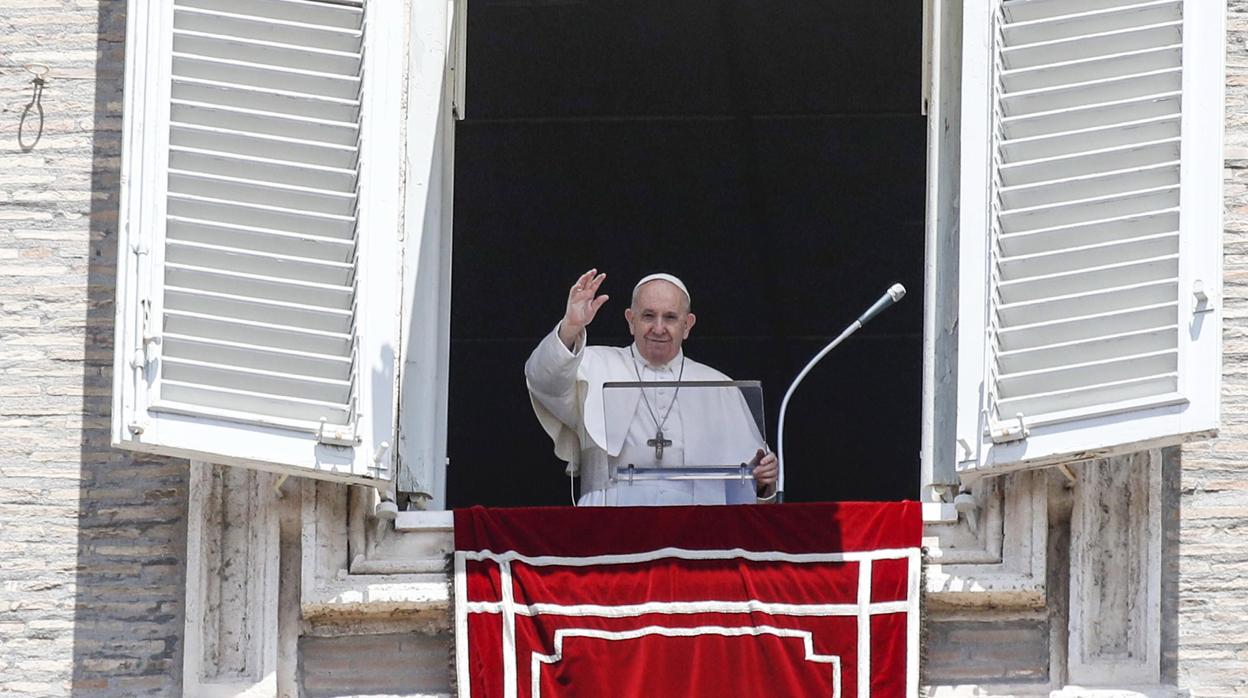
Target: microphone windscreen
[892,295]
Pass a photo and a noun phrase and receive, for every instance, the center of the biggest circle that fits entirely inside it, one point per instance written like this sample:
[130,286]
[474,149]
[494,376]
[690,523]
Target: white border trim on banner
[755,630]
[864,609]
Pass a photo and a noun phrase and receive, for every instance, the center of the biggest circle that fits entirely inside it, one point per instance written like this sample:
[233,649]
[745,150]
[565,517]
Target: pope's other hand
[766,469]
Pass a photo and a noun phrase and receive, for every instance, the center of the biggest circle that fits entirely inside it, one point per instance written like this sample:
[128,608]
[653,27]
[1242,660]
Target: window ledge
[1024,691]
[357,568]
[999,558]
[416,521]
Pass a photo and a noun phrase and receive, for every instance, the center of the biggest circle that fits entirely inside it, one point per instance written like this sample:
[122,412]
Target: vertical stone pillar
[232,577]
[1115,572]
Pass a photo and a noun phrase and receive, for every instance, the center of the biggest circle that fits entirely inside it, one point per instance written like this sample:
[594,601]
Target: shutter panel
[1088,227]
[258,319]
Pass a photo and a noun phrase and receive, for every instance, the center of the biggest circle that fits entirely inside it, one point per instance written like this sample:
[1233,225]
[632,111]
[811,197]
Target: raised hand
[582,306]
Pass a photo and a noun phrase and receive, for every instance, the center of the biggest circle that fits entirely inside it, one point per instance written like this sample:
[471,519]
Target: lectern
[690,439]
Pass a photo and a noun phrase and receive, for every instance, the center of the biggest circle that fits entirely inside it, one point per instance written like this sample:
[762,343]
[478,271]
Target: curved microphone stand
[892,295]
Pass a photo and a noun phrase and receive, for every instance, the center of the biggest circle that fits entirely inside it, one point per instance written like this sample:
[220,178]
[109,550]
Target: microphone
[894,293]
[891,296]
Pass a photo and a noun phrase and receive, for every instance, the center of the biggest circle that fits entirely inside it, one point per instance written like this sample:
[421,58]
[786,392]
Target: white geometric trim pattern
[805,635]
[863,609]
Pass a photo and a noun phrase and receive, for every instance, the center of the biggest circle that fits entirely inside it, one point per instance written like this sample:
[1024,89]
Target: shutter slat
[1090,396]
[1088,210]
[263,77]
[1088,327]
[1090,256]
[265,334]
[238,404]
[237,26]
[1108,113]
[277,148]
[259,357]
[325,390]
[260,239]
[1100,137]
[1092,93]
[274,266]
[260,216]
[307,11]
[1148,340]
[1076,304]
[1091,69]
[1088,279]
[261,169]
[256,286]
[1074,375]
[1089,162]
[249,191]
[1094,22]
[1025,10]
[1092,45]
[283,102]
[264,124]
[258,310]
[1081,187]
[1089,233]
[305,56]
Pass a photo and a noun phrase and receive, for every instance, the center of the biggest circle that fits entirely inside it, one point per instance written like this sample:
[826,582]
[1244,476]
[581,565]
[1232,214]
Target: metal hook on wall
[39,72]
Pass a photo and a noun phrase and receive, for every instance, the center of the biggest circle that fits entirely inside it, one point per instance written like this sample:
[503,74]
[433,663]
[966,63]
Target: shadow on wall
[1171,517]
[131,564]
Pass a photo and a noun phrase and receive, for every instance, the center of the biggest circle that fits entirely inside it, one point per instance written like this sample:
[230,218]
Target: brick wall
[410,664]
[1212,563]
[91,540]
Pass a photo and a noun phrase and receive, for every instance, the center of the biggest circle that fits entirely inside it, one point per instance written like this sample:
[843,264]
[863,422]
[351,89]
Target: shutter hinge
[1008,431]
[147,337]
[968,453]
[1203,298]
[150,339]
[380,466]
[338,434]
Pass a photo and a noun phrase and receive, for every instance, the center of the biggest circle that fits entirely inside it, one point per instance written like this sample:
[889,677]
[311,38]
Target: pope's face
[659,321]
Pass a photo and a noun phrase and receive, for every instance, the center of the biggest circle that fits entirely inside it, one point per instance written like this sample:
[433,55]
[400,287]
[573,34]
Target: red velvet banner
[790,600]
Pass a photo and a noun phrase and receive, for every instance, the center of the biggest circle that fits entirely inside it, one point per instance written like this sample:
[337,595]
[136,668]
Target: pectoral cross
[659,444]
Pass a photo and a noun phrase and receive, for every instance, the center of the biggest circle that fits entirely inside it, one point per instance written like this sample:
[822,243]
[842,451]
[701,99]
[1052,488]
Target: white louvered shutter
[258,274]
[1090,228]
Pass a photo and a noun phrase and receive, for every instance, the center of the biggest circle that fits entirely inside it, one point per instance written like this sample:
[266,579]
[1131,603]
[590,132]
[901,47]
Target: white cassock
[706,426]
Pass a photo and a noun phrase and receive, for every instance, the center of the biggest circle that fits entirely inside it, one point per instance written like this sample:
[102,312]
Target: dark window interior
[769,152]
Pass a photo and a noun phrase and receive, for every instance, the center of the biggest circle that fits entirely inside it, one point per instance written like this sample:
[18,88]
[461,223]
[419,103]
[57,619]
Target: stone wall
[1212,564]
[91,539]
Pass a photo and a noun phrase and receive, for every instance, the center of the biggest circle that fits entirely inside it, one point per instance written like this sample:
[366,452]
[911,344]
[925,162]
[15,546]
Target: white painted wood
[459,57]
[1115,572]
[973,225]
[427,275]
[938,452]
[232,583]
[1088,217]
[262,186]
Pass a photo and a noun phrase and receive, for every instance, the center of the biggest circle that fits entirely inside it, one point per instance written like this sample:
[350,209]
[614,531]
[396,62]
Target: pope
[565,379]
